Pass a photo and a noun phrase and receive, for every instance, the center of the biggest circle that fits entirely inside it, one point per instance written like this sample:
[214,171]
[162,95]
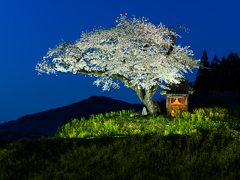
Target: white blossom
[121,51]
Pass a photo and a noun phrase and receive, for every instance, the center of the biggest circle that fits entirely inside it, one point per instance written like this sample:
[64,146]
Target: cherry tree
[137,53]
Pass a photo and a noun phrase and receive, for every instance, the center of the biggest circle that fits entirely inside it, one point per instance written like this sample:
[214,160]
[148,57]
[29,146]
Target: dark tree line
[215,81]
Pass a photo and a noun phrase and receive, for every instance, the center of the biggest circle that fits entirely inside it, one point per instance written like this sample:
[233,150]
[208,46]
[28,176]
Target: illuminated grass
[201,145]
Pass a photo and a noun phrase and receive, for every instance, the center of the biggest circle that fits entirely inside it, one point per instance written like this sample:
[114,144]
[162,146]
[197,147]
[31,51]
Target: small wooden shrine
[178,96]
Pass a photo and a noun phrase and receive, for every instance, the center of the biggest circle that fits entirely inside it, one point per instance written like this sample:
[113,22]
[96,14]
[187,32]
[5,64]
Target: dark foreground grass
[202,145]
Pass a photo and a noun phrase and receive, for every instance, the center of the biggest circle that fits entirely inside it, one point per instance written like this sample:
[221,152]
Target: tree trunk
[147,99]
[146,96]
[152,106]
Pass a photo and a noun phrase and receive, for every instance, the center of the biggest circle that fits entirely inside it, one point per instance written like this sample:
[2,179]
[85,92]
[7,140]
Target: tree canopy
[137,53]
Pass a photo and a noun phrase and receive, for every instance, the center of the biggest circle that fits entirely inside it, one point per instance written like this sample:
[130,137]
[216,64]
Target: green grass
[201,145]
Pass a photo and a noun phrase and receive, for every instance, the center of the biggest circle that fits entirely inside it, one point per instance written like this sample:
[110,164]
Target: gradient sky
[30,28]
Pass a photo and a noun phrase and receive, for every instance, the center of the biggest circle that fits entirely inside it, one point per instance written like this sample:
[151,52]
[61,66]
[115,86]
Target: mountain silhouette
[47,122]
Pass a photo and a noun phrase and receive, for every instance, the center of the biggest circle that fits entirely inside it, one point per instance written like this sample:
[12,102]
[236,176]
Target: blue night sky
[30,28]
